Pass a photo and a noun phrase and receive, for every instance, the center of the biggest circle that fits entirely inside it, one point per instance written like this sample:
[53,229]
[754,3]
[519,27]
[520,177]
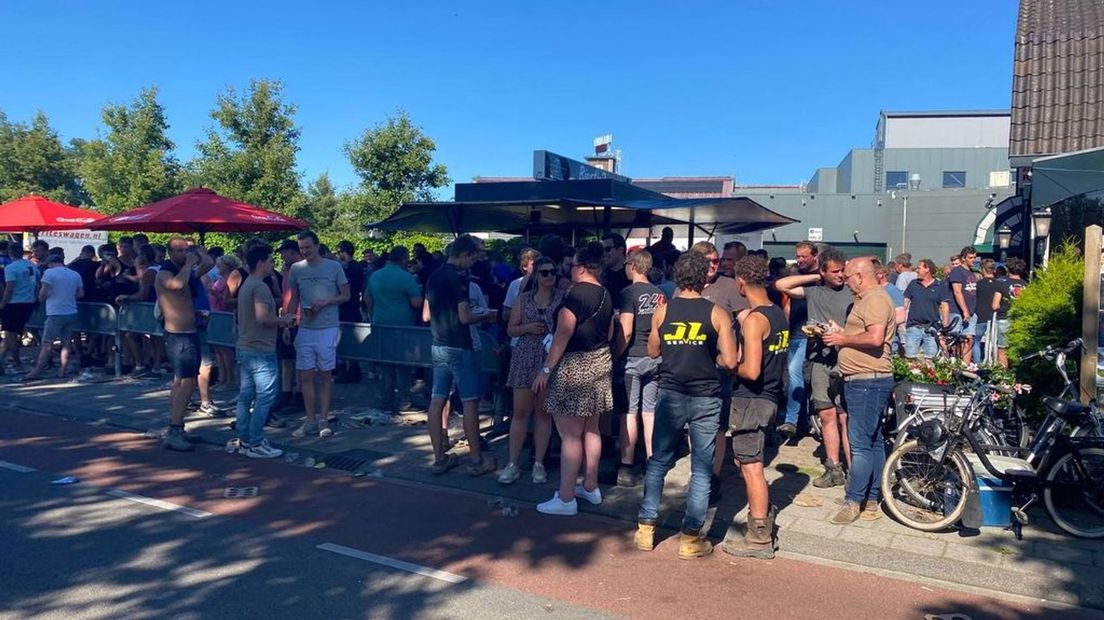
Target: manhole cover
[235,492]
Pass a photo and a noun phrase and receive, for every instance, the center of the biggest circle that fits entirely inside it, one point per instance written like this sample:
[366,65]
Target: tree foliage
[133,164]
[1047,312]
[250,154]
[394,161]
[33,161]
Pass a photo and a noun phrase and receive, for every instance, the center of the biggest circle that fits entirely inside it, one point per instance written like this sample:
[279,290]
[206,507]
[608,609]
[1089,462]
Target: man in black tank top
[693,336]
[765,335]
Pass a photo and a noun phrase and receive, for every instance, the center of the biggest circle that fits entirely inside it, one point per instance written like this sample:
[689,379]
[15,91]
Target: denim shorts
[966,327]
[182,351]
[642,384]
[206,355]
[453,365]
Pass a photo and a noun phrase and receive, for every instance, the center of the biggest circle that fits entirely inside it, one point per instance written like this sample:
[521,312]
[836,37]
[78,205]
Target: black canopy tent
[597,205]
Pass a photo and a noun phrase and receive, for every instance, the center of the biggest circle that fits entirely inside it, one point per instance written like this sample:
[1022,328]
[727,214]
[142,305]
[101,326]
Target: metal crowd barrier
[358,342]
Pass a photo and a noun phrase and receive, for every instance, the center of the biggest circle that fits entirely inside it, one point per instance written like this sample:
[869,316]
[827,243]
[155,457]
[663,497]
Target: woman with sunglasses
[531,319]
[577,375]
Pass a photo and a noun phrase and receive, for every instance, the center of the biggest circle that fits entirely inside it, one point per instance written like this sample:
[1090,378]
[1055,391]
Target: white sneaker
[263,451]
[324,429]
[556,506]
[308,428]
[539,475]
[509,474]
[594,497]
[234,446]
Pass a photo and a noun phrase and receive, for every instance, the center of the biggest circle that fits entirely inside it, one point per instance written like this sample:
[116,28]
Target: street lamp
[1041,220]
[1004,239]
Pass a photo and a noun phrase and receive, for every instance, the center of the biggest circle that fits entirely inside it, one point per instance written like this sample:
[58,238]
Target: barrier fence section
[358,342]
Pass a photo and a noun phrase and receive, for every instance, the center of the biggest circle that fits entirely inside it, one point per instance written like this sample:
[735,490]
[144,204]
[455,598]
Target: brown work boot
[693,545]
[645,536]
[758,542]
[833,476]
[847,515]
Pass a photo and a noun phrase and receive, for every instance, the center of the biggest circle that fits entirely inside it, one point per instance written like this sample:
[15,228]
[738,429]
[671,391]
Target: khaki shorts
[825,386]
[748,424]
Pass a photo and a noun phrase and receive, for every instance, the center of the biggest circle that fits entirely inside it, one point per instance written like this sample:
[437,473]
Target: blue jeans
[675,410]
[260,381]
[796,399]
[453,365]
[866,402]
[916,340]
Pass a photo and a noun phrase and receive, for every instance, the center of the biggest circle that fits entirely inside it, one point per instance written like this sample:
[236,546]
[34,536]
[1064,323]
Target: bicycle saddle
[1066,409]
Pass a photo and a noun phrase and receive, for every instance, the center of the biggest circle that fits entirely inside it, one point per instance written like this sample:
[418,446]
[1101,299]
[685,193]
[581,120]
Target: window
[896,179]
[954,178]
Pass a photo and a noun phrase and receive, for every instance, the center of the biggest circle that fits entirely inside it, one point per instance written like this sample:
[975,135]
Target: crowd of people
[724,347]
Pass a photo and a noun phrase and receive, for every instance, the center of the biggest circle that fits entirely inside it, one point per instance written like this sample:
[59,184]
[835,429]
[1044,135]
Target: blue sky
[763,91]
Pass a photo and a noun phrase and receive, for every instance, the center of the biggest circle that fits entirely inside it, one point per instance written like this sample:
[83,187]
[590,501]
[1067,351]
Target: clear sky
[764,91]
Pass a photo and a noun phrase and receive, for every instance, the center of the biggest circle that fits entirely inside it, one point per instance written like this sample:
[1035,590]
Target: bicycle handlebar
[1052,350]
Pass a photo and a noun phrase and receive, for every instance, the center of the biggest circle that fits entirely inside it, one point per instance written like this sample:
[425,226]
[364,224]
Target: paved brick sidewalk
[1046,564]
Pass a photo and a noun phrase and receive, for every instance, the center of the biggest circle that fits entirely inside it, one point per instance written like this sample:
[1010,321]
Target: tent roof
[711,215]
[1059,177]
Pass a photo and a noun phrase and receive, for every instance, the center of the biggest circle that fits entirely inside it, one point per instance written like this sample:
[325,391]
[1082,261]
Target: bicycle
[929,483]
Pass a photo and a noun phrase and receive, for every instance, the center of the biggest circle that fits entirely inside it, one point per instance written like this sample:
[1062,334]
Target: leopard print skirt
[581,384]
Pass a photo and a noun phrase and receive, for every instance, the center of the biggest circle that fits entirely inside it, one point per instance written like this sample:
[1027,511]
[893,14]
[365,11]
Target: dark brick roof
[1058,77]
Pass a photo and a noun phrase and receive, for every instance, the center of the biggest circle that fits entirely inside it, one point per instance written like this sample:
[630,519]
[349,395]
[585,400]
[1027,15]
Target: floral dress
[527,358]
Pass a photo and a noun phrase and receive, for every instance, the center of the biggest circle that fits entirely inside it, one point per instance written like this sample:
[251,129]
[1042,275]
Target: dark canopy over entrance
[580,205]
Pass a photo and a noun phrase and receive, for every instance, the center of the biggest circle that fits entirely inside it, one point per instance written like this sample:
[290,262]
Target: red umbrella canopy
[199,210]
[35,214]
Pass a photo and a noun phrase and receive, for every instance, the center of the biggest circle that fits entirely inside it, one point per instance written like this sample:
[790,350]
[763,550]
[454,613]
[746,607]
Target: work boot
[645,535]
[693,545]
[833,476]
[175,440]
[758,542]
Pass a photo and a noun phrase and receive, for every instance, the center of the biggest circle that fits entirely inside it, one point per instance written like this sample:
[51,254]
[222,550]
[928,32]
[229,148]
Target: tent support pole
[607,215]
[690,233]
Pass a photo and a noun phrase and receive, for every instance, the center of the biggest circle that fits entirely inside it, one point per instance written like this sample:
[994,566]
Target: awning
[1059,177]
[710,215]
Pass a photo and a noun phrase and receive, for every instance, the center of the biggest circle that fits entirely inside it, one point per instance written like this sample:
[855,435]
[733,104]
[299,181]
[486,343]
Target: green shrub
[1047,312]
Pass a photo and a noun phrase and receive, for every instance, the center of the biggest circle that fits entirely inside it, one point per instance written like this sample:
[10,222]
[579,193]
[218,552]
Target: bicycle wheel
[923,493]
[1010,423]
[1074,492]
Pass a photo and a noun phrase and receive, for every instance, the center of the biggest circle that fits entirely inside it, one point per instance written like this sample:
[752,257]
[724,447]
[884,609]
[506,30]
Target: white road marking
[159,503]
[23,469]
[393,563]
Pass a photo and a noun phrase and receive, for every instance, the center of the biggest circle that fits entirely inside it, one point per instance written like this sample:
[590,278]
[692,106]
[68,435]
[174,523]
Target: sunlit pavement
[147,532]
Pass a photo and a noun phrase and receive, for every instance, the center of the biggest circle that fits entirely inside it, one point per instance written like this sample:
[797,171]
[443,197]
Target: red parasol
[34,214]
[199,210]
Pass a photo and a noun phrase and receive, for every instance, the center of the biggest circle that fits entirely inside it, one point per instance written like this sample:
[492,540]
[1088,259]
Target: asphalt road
[146,533]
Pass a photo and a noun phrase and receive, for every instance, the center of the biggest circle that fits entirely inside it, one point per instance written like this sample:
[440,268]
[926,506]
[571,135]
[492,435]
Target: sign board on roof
[548,166]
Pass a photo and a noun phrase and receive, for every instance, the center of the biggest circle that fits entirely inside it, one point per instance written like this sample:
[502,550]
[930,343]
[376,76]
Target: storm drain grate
[345,463]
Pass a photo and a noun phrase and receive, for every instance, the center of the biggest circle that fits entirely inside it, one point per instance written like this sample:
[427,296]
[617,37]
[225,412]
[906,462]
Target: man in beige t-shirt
[258,325]
[863,345]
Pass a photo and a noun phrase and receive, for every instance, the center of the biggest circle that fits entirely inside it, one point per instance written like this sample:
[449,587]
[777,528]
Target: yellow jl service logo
[685,333]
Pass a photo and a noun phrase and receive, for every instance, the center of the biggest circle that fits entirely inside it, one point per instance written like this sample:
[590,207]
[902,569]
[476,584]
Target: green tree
[250,154]
[34,161]
[322,205]
[394,161]
[133,164]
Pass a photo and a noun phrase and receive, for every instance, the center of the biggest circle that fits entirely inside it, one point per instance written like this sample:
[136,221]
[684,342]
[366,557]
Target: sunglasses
[547,272]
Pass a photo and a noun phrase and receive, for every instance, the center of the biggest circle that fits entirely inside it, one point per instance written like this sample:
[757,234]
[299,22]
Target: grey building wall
[977,163]
[844,172]
[824,180]
[940,222]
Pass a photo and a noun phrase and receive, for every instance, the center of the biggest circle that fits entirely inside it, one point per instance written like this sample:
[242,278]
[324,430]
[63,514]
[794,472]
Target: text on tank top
[776,343]
[688,345]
